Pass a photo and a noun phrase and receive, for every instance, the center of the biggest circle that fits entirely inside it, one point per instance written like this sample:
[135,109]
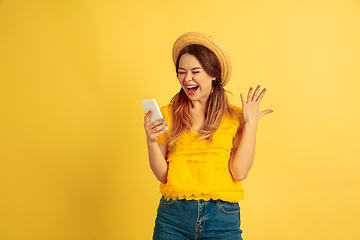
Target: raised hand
[155,129]
[251,110]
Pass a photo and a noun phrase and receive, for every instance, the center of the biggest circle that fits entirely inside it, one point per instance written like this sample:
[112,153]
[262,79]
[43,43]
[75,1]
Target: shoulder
[165,111]
[237,112]
[165,108]
[236,109]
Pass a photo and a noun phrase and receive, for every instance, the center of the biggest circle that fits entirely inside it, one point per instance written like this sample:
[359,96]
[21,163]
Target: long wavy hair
[217,106]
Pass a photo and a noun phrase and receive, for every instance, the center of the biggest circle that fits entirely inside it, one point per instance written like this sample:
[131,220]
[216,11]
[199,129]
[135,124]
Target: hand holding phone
[151,104]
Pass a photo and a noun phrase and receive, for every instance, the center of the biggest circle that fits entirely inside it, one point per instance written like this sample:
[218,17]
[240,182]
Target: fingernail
[163,129]
[149,111]
[166,124]
[271,111]
[251,89]
[258,86]
[265,89]
[163,119]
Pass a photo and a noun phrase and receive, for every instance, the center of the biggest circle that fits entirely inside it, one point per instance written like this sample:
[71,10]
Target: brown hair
[217,105]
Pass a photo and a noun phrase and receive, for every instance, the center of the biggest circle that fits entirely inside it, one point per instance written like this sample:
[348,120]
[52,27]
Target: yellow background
[73,158]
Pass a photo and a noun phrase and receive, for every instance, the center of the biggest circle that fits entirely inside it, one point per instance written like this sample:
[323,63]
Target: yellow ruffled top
[198,169]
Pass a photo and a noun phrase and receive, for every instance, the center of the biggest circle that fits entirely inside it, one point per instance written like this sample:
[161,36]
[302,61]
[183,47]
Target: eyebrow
[191,69]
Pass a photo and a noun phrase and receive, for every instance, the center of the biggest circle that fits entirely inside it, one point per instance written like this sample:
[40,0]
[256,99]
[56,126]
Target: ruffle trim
[230,196]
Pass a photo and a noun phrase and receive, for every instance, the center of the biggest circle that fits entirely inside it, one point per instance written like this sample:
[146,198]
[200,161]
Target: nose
[188,77]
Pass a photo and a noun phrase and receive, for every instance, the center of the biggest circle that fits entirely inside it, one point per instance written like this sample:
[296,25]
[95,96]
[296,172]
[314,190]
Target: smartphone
[151,104]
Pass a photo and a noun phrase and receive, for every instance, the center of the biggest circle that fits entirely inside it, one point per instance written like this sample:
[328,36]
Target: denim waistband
[197,219]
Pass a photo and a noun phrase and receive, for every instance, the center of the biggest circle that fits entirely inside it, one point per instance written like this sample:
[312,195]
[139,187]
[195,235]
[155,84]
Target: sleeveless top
[199,169]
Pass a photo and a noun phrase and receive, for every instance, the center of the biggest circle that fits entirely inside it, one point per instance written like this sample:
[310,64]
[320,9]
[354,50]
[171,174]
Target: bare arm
[156,152]
[243,154]
[242,157]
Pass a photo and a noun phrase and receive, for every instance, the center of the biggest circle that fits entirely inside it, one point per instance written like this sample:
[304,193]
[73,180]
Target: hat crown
[208,42]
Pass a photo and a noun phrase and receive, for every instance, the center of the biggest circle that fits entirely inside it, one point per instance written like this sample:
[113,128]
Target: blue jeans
[196,220]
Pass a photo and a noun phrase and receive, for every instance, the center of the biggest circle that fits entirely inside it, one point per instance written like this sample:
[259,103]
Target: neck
[198,105]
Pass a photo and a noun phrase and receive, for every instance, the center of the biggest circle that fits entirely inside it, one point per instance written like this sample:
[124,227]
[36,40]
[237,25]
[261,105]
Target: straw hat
[206,41]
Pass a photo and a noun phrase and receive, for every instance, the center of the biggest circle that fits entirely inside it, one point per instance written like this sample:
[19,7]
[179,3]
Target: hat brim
[208,42]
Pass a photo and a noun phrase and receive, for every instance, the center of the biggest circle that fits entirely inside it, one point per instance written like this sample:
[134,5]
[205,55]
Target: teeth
[191,86]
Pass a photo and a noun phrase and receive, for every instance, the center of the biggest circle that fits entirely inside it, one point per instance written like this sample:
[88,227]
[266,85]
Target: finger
[146,117]
[267,111]
[261,95]
[146,122]
[150,131]
[160,127]
[242,99]
[163,130]
[154,134]
[158,122]
[153,124]
[148,113]
[256,92]
[157,134]
[249,94]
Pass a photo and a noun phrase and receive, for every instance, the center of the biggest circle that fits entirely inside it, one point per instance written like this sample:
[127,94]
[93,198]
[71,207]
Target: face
[196,83]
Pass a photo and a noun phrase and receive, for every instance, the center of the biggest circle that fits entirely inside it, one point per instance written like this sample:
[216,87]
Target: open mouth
[192,89]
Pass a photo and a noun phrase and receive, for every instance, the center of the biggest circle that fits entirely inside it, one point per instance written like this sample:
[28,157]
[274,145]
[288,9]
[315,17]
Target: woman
[209,147]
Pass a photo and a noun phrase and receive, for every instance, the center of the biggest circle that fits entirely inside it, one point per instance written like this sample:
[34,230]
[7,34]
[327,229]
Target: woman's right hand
[155,129]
